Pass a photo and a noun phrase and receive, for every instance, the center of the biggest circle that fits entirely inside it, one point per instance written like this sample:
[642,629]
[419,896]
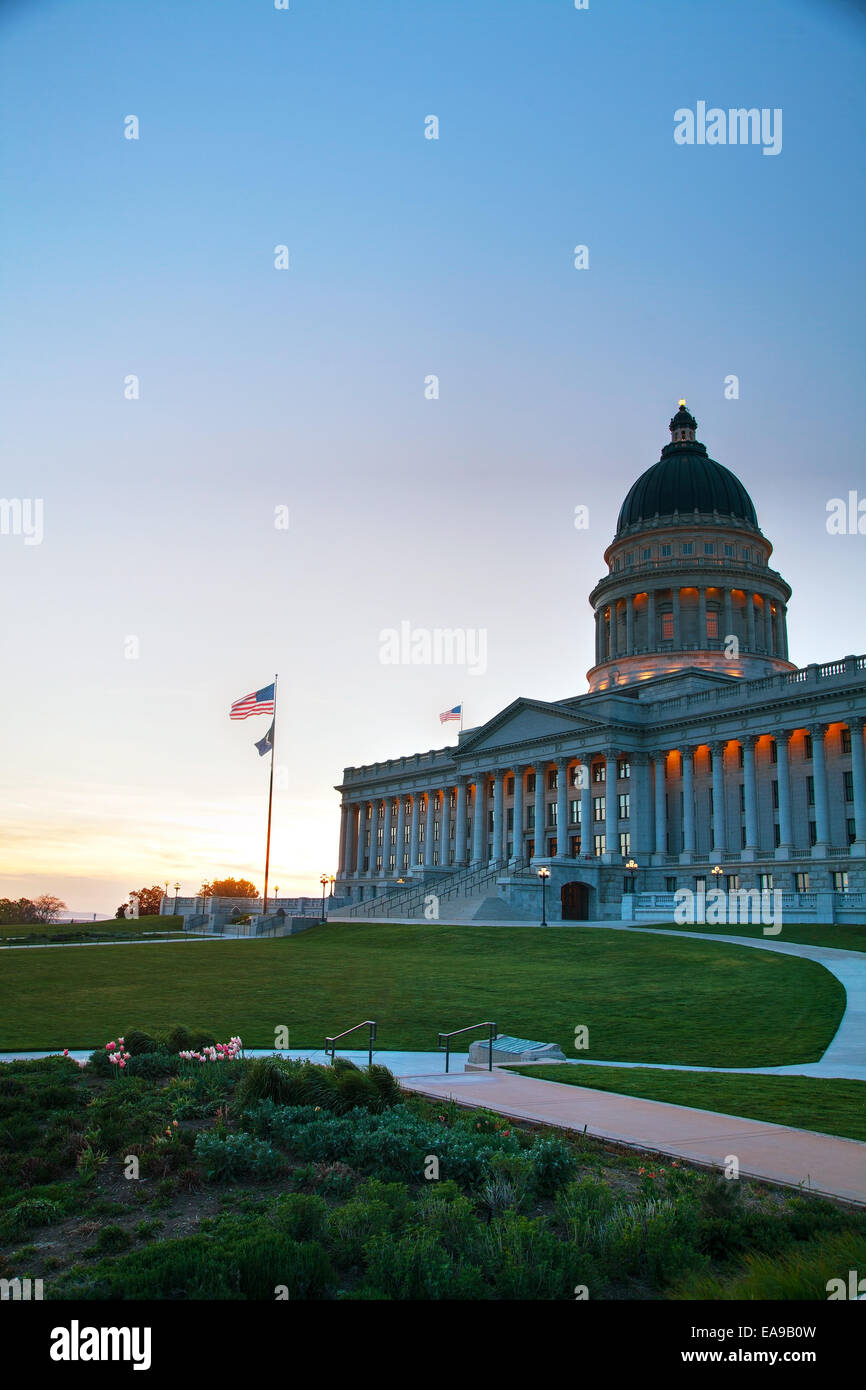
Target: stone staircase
[460,895]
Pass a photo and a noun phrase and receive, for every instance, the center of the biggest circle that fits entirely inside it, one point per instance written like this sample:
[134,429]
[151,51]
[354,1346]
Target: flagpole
[270,802]
[461,714]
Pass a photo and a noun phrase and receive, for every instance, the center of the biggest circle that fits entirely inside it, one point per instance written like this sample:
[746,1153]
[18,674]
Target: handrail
[368,1023]
[470,1029]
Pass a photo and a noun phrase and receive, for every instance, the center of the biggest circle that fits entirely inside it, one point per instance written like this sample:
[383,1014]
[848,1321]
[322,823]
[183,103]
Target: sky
[286,486]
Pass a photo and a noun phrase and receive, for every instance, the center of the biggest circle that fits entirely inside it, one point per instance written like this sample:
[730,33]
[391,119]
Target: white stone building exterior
[698,747]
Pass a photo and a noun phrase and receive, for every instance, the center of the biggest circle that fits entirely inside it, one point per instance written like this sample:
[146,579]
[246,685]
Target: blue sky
[305,388]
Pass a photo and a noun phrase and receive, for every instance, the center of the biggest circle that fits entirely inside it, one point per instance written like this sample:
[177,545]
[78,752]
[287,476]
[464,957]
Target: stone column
[768,626]
[783,773]
[413,833]
[782,615]
[479,812]
[362,827]
[675,604]
[586,827]
[460,825]
[703,641]
[374,826]
[729,614]
[717,750]
[651,620]
[661,817]
[858,777]
[611,806]
[562,808]
[641,809]
[445,826]
[519,774]
[540,830]
[750,619]
[344,828]
[629,625]
[598,626]
[498,817]
[822,804]
[613,632]
[386,836]
[750,796]
[428,830]
[401,833]
[351,840]
[688,757]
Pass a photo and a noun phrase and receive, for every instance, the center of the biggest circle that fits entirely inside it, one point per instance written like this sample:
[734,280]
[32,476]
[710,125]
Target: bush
[300,1216]
[799,1273]
[553,1164]
[238,1156]
[523,1260]
[417,1266]
[153,1066]
[337,1089]
[139,1043]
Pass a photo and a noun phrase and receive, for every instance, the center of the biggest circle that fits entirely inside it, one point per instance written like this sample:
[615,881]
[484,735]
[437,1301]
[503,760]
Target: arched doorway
[575,902]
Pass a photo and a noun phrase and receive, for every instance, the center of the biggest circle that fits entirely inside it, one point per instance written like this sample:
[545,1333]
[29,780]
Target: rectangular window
[625,844]
[666,550]
[405,861]
[765,882]
[712,622]
[574,812]
[509,818]
[700,884]
[742,797]
[623,769]
[646,554]
[599,844]
[743,837]
[852,830]
[741,757]
[813,833]
[849,786]
[551,813]
[451,855]
[810,791]
[530,817]
[575,846]
[624,806]
[670,885]
[380,834]
[777,835]
[840,881]
[747,554]
[421,828]
[598,812]
[687,548]
[530,782]
[709,548]
[846,740]
[489,822]
[378,863]
[729,552]
[807,747]
[733,882]
[628,884]
[509,786]
[552,780]
[435,856]
[667,627]
[801,883]
[599,772]
[392,860]
[775,794]
[436,825]
[774,751]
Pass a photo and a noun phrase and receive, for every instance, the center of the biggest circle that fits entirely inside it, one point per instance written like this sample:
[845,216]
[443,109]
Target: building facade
[699,747]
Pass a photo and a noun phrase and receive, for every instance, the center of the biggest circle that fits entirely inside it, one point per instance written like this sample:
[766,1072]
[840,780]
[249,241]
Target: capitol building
[699,756]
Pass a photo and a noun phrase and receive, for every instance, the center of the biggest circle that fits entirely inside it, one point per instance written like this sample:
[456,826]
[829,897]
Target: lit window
[712,622]
[667,627]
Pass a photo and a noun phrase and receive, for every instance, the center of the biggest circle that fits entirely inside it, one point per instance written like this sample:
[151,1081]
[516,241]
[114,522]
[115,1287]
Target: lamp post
[332,880]
[176,891]
[544,875]
[166,892]
[717,872]
[276,895]
[633,866]
[324,882]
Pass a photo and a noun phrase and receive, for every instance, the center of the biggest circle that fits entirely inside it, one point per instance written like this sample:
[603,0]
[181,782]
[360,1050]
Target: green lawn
[114,928]
[806,1102]
[843,936]
[643,998]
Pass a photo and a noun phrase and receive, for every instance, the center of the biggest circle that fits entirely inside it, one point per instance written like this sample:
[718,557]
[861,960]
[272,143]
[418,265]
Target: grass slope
[841,936]
[827,1106]
[39,933]
[644,998]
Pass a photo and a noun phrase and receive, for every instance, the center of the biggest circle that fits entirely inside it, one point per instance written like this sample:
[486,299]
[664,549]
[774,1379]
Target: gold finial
[682,405]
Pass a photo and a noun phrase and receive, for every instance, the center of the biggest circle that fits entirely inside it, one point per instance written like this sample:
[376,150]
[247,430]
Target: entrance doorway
[575,902]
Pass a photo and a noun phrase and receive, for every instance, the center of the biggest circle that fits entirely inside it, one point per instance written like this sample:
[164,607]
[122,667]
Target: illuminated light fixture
[682,404]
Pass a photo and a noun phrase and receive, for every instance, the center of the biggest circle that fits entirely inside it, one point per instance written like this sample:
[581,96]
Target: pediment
[525,721]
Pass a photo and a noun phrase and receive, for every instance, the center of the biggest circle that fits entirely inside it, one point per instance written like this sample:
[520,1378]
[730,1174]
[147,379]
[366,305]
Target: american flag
[259,702]
[455,713]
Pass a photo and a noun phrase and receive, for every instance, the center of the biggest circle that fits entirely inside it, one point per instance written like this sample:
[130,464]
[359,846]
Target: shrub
[552,1163]
[417,1266]
[112,1239]
[238,1156]
[138,1042]
[153,1066]
[300,1216]
[799,1273]
[523,1259]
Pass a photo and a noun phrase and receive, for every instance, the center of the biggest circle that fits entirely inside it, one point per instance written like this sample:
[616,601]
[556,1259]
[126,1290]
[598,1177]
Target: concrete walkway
[774,1153]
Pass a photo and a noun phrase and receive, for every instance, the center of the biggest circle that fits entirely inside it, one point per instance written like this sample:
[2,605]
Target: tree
[229,888]
[17,912]
[121,911]
[149,900]
[47,908]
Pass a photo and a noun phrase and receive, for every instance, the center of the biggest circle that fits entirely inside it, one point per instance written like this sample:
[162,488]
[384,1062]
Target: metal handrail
[368,1023]
[470,1029]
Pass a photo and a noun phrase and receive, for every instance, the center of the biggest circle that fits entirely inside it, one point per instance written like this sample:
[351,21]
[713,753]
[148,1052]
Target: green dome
[685,480]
